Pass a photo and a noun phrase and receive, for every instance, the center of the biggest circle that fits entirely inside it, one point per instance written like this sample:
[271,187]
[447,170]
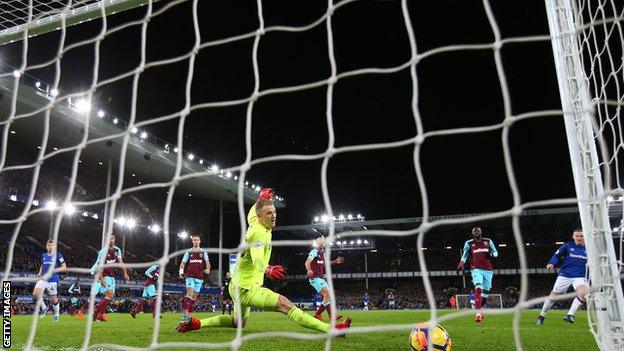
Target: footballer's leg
[579,300]
[561,286]
[55,301]
[38,295]
[326,303]
[477,280]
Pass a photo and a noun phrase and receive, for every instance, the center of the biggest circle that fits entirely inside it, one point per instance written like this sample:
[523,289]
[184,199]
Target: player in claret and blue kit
[149,291]
[481,250]
[572,272]
[315,265]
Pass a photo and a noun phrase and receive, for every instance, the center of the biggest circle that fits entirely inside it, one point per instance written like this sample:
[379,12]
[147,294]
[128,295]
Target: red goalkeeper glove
[460,266]
[275,272]
[266,194]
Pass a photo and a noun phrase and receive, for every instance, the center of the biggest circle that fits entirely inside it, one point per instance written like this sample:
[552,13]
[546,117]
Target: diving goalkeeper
[248,277]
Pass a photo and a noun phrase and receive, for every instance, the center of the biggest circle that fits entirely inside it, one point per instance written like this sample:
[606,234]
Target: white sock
[43,305]
[57,309]
[547,305]
[575,306]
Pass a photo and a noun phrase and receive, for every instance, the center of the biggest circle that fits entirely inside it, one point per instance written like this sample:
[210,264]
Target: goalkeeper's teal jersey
[251,263]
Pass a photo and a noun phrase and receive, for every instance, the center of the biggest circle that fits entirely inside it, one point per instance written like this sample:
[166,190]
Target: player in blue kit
[51,262]
[572,273]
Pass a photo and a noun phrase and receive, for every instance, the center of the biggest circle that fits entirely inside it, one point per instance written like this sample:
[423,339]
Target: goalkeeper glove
[266,194]
[275,272]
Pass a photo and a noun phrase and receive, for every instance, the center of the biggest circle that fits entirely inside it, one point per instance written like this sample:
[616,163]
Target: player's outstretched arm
[554,260]
[338,260]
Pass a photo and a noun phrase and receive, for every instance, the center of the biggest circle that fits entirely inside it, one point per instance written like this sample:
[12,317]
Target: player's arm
[63,266]
[265,194]
[123,266]
[554,260]
[338,260]
[39,273]
[493,250]
[207,261]
[185,259]
[308,263]
[100,259]
[464,256]
[149,272]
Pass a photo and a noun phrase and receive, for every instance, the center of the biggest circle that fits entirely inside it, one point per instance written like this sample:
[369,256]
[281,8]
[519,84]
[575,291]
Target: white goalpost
[585,64]
[587,39]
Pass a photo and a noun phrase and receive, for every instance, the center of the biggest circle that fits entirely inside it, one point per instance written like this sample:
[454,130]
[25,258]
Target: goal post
[605,301]
[493,301]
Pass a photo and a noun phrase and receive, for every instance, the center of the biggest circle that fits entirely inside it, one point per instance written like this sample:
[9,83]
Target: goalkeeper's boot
[344,325]
[569,318]
[186,326]
[479,317]
[540,320]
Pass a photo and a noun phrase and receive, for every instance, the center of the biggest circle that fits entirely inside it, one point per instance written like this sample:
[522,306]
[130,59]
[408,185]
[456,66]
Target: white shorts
[562,284]
[49,286]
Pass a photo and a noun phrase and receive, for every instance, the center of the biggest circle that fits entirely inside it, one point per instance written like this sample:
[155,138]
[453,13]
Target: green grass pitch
[494,334]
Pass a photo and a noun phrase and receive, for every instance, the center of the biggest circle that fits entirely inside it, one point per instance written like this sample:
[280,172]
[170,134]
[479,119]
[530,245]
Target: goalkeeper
[248,277]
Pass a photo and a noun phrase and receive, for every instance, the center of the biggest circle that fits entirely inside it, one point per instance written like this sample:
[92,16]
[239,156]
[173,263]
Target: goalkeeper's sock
[307,321]
[547,305]
[575,306]
[57,308]
[218,321]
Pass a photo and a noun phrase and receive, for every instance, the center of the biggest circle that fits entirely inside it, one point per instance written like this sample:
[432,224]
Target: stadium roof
[537,225]
[149,158]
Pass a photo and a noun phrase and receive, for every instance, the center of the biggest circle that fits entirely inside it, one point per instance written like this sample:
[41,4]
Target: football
[436,336]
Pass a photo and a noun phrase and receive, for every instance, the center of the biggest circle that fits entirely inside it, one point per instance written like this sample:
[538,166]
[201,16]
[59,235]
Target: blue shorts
[482,277]
[149,291]
[195,284]
[318,283]
[110,286]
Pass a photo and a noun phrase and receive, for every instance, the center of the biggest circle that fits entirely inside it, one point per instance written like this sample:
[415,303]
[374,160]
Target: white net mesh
[600,38]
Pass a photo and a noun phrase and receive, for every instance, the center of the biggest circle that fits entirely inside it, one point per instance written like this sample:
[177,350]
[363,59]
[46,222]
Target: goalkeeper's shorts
[260,298]
[482,277]
[149,291]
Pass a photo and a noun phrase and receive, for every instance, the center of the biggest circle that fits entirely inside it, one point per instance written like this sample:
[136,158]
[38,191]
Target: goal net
[493,301]
[170,66]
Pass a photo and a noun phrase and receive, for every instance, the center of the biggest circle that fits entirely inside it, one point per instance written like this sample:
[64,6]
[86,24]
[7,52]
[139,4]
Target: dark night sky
[464,173]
